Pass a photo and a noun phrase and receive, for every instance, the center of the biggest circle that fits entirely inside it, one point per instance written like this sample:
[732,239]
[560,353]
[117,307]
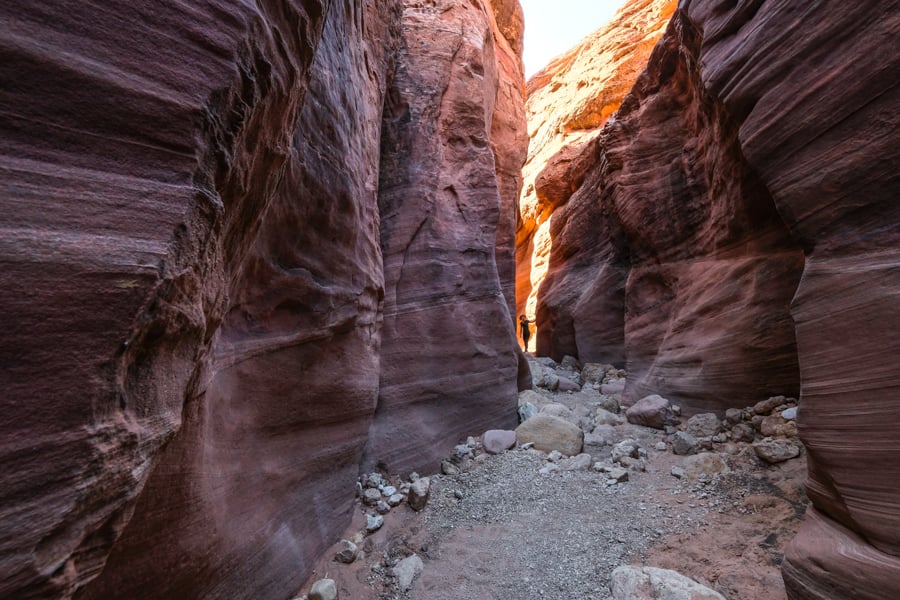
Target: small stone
[676,408]
[373,523]
[526,411]
[635,464]
[382,507]
[580,462]
[720,438]
[498,440]
[471,442]
[661,446]
[548,468]
[765,407]
[395,500]
[570,362]
[743,432]
[705,464]
[371,496]
[613,388]
[413,476]
[374,480]
[564,384]
[449,469]
[618,475]
[733,415]
[677,472]
[388,490]
[703,425]
[554,456]
[604,417]
[462,451]
[684,444]
[789,414]
[418,493]
[347,552]
[407,570]
[625,448]
[458,494]
[323,589]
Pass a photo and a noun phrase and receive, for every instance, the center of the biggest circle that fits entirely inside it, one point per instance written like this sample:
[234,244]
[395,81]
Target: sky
[554,26]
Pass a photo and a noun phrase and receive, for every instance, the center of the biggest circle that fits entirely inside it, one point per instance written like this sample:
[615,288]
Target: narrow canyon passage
[264,261]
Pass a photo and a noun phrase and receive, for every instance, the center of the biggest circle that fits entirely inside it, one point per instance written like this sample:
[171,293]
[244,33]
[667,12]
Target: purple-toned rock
[496,441]
[613,387]
[652,411]
[567,385]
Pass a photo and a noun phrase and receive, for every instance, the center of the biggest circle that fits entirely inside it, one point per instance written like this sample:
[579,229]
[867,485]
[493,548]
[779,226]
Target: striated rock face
[568,103]
[447,338]
[749,179]
[196,203]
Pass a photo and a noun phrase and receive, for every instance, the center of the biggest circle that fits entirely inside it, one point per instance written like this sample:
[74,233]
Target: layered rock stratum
[734,222]
[221,230]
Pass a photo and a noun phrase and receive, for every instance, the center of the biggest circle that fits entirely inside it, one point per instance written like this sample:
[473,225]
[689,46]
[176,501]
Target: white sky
[554,26]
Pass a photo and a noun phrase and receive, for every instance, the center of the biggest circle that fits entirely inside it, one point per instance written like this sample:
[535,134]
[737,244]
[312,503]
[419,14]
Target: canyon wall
[746,191]
[195,280]
[568,103]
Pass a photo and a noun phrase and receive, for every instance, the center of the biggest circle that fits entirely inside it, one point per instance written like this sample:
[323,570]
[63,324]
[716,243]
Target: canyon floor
[525,524]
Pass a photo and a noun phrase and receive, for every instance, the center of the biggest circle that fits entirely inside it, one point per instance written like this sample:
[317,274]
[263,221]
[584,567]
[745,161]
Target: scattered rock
[604,417]
[570,362]
[371,496]
[613,387]
[418,493]
[395,500]
[382,508]
[661,446]
[625,448]
[347,552]
[703,425]
[743,432]
[617,475]
[323,589]
[789,414]
[373,523]
[733,415]
[764,407]
[609,403]
[564,384]
[407,570]
[652,411]
[602,435]
[449,469]
[496,441]
[555,409]
[526,411]
[388,490]
[551,433]
[581,462]
[593,373]
[374,480]
[650,583]
[704,464]
[683,443]
[775,425]
[775,451]
[462,451]
[555,456]
[677,472]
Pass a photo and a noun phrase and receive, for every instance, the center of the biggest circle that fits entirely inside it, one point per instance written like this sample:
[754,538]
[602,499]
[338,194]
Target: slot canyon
[264,264]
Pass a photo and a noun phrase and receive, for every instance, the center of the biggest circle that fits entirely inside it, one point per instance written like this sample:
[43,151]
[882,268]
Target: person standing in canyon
[526,331]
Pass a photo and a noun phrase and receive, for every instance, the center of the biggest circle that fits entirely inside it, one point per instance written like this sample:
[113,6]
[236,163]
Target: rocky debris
[564,384]
[613,388]
[625,448]
[496,441]
[777,426]
[605,417]
[323,589]
[579,462]
[705,464]
[373,522]
[765,407]
[601,435]
[743,432]
[549,433]
[418,493]
[652,411]
[526,411]
[789,414]
[395,500]
[347,552]
[774,451]
[407,571]
[555,409]
[371,496]
[678,472]
[733,416]
[703,425]
[684,443]
[650,583]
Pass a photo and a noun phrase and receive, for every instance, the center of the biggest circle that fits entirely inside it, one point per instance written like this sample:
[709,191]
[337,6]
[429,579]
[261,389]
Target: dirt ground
[500,530]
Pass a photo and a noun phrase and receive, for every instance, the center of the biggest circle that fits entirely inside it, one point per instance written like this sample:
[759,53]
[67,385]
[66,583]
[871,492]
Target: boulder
[775,451]
[613,387]
[418,493]
[496,441]
[549,433]
[407,570]
[564,384]
[684,443]
[650,583]
[604,417]
[652,411]
[323,589]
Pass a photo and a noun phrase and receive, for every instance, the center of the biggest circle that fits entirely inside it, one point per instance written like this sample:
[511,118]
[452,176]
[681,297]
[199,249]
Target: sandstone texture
[207,217]
[446,336]
[747,191]
[568,103]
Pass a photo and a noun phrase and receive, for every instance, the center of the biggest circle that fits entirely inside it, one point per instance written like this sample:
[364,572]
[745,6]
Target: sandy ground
[500,530]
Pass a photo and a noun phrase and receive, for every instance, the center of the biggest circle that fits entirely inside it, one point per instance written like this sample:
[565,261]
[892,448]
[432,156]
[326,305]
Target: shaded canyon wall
[203,212]
[746,195]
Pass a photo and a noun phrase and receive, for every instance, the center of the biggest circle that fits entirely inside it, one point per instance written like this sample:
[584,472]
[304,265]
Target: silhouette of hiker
[526,332]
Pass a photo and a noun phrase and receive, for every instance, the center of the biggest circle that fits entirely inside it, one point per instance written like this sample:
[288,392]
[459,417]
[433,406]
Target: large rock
[549,433]
[440,205]
[650,583]
[652,411]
